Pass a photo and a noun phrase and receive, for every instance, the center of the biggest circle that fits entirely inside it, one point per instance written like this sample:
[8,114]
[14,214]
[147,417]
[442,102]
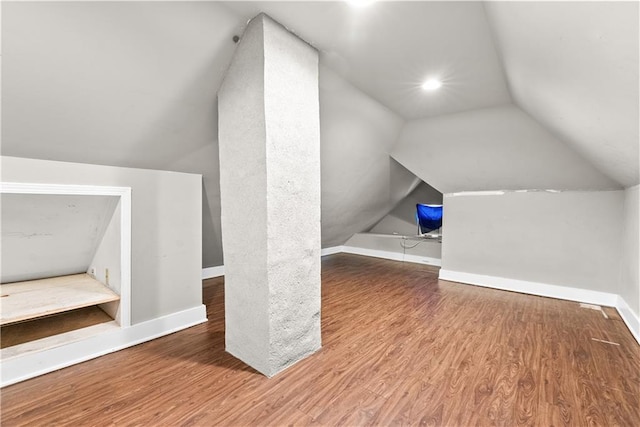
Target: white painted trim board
[629,318]
[332,250]
[211,272]
[36,363]
[552,291]
[533,288]
[395,256]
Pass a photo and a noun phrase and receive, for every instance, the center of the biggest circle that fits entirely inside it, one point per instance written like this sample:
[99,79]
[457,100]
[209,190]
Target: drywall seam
[41,362]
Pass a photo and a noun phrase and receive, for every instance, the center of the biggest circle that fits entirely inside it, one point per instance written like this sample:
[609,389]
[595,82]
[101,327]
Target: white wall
[629,281]
[105,265]
[119,83]
[493,148]
[134,84]
[395,247]
[570,239]
[402,219]
[360,183]
[51,235]
[166,241]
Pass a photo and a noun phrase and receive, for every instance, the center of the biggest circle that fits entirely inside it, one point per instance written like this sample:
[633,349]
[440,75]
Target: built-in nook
[398,234]
[65,265]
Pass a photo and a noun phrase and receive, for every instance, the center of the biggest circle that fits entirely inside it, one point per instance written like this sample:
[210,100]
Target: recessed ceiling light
[360,3]
[431,84]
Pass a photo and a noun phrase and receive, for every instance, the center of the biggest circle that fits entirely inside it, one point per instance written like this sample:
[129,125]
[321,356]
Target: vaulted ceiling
[134,84]
[389,48]
[570,66]
[573,66]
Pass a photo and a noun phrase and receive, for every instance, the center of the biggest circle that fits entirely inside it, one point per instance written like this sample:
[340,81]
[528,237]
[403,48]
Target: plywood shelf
[36,298]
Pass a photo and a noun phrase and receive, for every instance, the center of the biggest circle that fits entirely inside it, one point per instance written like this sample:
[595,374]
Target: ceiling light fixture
[431,84]
[359,3]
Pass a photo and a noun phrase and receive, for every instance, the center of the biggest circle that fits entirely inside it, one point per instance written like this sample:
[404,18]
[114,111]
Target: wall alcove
[66,269]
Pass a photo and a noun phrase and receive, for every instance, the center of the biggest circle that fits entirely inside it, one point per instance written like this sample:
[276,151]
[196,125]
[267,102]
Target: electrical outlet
[92,272]
[106,276]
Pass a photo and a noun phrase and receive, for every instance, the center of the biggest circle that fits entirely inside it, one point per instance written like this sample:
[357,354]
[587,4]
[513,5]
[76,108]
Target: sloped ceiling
[134,84]
[498,148]
[389,48]
[123,84]
[573,66]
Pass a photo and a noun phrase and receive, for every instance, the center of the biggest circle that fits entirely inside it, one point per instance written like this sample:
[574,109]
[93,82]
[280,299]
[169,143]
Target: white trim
[125,257]
[533,288]
[211,272]
[36,188]
[331,251]
[125,226]
[629,317]
[552,291]
[395,256]
[476,193]
[38,363]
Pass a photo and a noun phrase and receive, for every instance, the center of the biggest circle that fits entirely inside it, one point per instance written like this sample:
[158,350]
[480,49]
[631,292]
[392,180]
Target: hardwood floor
[399,347]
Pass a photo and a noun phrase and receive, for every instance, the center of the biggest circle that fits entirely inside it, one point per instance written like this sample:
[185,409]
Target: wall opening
[66,270]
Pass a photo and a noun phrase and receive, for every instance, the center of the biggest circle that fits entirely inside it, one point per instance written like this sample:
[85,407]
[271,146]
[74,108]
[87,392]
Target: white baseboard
[330,251]
[629,317]
[20,368]
[211,272]
[533,288]
[552,291]
[395,256]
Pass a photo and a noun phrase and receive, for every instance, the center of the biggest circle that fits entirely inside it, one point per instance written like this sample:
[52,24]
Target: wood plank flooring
[399,347]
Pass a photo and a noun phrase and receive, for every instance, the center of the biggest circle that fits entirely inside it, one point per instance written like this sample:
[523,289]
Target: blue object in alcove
[429,217]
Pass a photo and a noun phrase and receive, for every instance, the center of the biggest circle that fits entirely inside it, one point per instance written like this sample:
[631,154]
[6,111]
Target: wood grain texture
[399,347]
[36,298]
[42,327]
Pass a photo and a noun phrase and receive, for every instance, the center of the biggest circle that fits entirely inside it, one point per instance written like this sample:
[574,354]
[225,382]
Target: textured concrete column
[269,136]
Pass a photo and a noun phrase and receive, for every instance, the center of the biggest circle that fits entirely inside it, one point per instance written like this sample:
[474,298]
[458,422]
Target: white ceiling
[499,148]
[573,66]
[388,49]
[134,84]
